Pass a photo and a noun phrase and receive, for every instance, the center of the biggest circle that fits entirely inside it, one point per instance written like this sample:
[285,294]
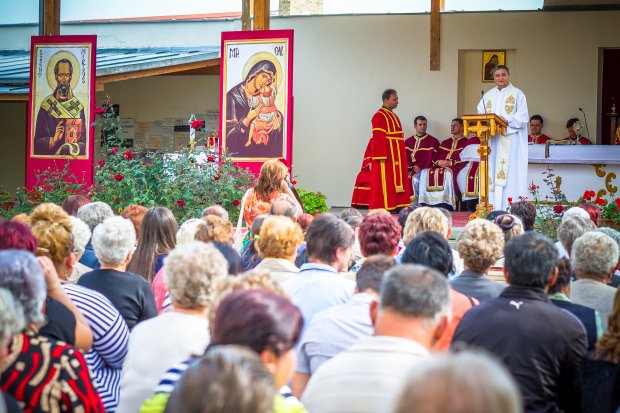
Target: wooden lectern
[484,126]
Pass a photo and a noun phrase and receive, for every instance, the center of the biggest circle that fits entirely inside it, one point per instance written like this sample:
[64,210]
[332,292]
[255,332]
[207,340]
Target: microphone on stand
[585,121]
[484,105]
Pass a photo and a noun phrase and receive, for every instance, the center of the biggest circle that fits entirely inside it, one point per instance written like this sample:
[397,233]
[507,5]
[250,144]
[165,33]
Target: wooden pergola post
[436,5]
[49,17]
[259,9]
[246,16]
[261,14]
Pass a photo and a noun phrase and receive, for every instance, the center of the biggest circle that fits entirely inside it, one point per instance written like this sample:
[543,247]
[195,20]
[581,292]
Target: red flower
[38,195]
[294,182]
[600,201]
[216,177]
[236,202]
[118,177]
[533,187]
[211,159]
[197,124]
[588,195]
[181,203]
[510,200]
[127,155]
[114,150]
[558,209]
[617,201]
[99,111]
[101,162]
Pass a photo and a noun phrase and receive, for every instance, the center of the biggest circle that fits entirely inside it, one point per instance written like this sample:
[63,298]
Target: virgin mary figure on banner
[254,124]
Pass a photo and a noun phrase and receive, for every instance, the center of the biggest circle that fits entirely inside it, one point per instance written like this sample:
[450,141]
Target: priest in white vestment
[508,160]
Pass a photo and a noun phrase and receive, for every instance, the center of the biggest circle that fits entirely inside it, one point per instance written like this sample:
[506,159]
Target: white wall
[343,63]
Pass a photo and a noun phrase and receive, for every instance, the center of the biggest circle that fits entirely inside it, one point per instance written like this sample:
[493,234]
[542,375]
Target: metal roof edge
[172,61]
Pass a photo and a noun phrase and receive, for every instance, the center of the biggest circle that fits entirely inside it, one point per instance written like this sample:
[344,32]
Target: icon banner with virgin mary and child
[256,81]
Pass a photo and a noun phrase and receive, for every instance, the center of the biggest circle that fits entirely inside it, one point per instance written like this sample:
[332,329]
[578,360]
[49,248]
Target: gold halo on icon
[63,54]
[257,57]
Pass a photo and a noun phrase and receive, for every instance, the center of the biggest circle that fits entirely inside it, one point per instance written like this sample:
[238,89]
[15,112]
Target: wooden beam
[102,80]
[435,34]
[261,14]
[49,17]
[246,11]
[10,97]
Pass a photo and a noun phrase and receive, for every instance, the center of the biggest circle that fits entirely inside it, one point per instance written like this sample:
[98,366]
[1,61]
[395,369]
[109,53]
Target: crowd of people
[335,313]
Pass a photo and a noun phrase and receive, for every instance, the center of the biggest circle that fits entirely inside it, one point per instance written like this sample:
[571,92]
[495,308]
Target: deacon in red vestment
[536,136]
[573,126]
[539,139]
[580,140]
[438,184]
[421,148]
[382,181]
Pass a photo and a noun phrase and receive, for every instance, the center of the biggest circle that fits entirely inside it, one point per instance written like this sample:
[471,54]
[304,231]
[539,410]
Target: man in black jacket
[538,342]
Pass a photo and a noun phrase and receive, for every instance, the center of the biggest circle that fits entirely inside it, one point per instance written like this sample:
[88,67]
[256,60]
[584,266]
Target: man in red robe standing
[421,148]
[382,181]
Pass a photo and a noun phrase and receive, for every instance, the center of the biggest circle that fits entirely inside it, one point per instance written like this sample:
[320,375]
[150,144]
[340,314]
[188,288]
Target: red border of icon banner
[81,164]
[257,38]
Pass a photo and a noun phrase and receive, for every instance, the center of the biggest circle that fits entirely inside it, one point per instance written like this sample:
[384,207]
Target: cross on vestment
[74,105]
[53,106]
[501,174]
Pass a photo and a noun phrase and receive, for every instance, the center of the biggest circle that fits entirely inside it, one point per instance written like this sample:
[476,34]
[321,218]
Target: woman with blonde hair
[480,244]
[214,228]
[272,185]
[52,228]
[277,245]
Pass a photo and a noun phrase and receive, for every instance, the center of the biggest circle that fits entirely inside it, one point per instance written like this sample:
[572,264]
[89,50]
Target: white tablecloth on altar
[562,154]
[577,166]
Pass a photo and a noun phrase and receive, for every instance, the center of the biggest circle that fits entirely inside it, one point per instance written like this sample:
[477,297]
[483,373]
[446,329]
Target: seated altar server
[574,128]
[421,148]
[536,125]
[438,184]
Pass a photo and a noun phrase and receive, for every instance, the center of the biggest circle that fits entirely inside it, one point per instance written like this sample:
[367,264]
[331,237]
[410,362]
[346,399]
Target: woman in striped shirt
[52,228]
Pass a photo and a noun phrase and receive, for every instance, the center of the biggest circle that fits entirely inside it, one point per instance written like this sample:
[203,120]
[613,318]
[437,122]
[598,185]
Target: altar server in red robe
[438,184]
[573,126]
[382,181]
[421,148]
[536,136]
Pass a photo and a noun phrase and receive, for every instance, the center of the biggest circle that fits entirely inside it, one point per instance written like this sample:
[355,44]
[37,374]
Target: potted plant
[6,200]
[610,211]
[313,202]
